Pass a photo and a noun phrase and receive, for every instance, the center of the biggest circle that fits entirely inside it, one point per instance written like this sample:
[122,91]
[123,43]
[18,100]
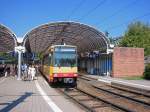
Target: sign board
[20,49]
[65,49]
[111,45]
[109,51]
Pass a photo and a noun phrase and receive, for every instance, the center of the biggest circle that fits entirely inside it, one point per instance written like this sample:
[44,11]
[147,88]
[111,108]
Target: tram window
[49,59]
[67,59]
[46,60]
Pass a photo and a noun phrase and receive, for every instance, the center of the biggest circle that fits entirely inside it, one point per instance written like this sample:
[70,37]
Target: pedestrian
[15,69]
[2,70]
[6,73]
[11,70]
[33,72]
[29,72]
[24,71]
[6,70]
[37,70]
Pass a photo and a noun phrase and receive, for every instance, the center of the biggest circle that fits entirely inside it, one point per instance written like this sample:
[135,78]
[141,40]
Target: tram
[60,64]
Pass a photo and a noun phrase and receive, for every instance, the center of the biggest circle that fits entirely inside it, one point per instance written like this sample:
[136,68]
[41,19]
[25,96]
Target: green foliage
[40,56]
[3,54]
[147,72]
[137,35]
[7,56]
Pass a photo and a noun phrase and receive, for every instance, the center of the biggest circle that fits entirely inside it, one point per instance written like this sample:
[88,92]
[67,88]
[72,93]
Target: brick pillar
[128,62]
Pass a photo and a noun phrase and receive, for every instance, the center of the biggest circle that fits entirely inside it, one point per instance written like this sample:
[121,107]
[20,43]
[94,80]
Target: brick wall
[128,62]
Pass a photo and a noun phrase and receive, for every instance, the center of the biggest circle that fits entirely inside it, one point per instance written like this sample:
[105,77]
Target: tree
[115,41]
[7,57]
[147,72]
[137,35]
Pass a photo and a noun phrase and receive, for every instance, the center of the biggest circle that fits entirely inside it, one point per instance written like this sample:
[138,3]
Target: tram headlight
[75,75]
[55,75]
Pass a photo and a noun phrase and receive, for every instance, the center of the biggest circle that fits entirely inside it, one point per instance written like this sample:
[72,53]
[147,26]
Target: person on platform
[32,72]
[29,72]
[11,70]
[24,69]
[7,70]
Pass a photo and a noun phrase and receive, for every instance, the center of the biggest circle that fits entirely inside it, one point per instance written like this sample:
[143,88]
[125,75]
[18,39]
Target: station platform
[32,96]
[139,84]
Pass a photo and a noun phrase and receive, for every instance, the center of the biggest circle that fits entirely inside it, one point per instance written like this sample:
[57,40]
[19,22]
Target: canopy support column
[19,65]
[20,50]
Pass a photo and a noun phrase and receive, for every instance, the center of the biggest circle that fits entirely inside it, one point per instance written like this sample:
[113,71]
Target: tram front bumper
[65,75]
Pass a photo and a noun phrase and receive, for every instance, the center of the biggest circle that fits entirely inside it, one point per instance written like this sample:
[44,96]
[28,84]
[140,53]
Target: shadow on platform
[15,102]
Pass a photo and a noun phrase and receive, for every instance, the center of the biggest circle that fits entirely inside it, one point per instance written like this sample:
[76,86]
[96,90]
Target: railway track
[99,97]
[89,102]
[125,94]
[122,99]
[122,87]
[86,78]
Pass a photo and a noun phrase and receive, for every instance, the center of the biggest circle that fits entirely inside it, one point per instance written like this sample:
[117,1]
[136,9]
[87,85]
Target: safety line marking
[53,106]
[45,82]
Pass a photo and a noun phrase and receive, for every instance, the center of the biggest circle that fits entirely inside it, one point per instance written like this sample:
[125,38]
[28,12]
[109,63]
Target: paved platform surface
[143,84]
[32,96]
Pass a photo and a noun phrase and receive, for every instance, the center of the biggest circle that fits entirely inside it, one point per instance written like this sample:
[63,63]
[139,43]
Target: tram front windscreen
[65,58]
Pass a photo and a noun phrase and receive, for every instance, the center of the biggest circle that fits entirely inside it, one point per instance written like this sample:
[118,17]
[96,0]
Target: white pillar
[20,50]
[19,65]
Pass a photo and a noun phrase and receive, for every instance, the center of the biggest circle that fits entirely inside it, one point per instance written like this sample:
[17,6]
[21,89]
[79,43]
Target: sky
[113,16]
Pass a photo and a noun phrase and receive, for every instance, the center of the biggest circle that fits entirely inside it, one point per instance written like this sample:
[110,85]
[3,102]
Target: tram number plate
[68,80]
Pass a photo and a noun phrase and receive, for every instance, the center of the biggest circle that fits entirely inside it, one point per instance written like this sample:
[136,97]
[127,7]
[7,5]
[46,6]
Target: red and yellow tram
[60,64]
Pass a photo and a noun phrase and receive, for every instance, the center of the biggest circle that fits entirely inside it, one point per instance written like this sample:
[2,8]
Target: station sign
[65,49]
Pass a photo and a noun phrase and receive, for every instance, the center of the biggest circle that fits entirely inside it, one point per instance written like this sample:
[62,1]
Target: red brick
[128,62]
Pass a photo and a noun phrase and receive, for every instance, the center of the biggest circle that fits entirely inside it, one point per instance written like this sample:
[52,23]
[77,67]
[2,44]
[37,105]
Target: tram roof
[7,39]
[85,37]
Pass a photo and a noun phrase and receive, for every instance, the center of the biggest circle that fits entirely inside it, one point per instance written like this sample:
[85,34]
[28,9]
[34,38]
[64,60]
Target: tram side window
[46,60]
[51,59]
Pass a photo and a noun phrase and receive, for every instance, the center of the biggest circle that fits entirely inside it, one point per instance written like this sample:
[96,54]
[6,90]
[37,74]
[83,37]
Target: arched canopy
[86,38]
[7,39]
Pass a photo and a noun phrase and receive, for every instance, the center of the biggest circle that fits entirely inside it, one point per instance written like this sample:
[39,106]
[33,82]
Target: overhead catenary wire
[92,10]
[118,11]
[76,8]
[119,25]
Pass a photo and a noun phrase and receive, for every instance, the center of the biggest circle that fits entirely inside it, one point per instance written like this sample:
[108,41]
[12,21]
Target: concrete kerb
[114,82]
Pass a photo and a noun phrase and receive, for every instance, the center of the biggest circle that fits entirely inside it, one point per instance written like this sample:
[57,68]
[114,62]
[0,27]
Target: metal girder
[86,38]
